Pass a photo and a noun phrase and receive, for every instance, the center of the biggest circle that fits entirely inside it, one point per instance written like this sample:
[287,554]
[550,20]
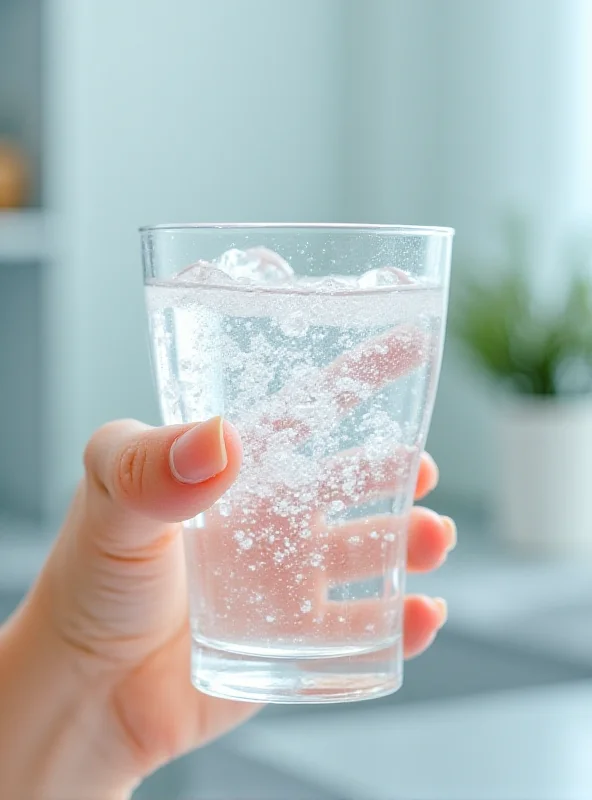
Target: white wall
[462,110]
[383,110]
[162,112]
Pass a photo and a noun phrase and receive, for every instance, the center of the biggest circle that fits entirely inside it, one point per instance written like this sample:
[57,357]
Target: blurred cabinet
[23,256]
[134,113]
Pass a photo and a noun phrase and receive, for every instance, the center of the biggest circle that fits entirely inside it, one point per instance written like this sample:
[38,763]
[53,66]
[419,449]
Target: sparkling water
[327,381]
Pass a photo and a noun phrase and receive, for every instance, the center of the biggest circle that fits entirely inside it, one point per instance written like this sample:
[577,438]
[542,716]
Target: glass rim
[409,230]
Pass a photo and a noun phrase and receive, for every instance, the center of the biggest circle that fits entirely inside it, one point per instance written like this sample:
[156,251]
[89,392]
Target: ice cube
[383,276]
[232,262]
[255,265]
[204,273]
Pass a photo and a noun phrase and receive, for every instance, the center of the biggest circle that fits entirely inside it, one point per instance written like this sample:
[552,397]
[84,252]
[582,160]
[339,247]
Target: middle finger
[361,548]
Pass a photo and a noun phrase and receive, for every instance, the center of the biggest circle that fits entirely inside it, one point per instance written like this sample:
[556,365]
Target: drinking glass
[322,345]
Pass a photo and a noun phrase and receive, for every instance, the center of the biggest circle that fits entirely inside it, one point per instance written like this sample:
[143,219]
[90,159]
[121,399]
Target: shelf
[22,236]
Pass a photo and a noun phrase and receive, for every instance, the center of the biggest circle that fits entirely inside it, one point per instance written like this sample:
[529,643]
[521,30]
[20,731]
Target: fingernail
[200,453]
[451,533]
[442,606]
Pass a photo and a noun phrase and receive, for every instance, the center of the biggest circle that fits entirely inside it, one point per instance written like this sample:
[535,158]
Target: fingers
[373,364]
[364,548]
[367,619]
[352,477]
[164,474]
[117,571]
[427,477]
[422,619]
[344,384]
[429,540]
[424,616]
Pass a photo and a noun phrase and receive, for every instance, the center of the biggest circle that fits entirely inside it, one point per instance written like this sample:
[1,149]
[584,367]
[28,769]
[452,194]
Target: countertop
[531,744]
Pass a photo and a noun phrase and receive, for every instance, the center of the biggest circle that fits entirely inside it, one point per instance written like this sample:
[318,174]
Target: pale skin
[95,692]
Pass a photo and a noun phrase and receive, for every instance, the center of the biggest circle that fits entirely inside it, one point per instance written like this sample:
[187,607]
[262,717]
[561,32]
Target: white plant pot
[545,476]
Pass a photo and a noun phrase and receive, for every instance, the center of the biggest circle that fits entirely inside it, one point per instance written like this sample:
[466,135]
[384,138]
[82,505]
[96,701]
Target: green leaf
[533,351]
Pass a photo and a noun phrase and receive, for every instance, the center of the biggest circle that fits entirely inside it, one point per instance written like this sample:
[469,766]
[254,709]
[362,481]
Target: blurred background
[471,113]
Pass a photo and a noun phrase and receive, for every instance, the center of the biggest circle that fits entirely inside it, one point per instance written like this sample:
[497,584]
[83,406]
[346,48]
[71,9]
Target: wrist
[54,741]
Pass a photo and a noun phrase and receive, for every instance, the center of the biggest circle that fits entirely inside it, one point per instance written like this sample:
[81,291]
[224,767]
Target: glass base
[268,679]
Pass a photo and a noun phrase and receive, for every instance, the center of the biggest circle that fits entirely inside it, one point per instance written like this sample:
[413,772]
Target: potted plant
[538,357]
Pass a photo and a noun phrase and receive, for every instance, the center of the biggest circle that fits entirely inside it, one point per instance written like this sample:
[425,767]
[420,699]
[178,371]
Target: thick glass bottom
[294,679]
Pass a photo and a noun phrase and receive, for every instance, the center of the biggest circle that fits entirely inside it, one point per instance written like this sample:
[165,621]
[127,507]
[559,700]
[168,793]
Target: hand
[94,667]
[99,654]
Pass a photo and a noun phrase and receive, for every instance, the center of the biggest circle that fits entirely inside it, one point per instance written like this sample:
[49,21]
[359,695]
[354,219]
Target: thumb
[113,584]
[135,473]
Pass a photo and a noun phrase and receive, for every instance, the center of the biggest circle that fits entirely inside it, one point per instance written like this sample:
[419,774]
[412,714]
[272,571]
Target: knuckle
[114,475]
[131,468]
[94,450]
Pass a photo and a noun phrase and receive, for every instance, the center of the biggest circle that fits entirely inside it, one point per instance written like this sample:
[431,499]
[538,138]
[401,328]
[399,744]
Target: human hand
[95,665]
[97,660]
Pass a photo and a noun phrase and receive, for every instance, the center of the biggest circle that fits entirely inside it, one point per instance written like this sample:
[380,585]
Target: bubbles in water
[283,508]
[294,324]
[383,276]
[329,283]
[378,446]
[306,606]
[382,433]
[224,508]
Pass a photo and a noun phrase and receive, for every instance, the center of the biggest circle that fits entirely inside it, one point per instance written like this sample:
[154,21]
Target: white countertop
[533,744]
[545,607]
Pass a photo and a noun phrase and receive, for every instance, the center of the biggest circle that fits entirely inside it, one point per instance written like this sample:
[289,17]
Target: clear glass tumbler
[322,344]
